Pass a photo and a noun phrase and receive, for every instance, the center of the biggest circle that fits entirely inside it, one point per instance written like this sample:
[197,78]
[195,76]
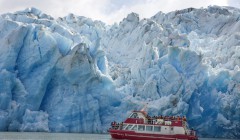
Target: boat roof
[140,111]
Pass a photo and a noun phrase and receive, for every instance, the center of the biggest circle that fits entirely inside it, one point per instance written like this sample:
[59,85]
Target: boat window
[157,128]
[124,126]
[134,127]
[129,127]
[134,115]
[141,127]
[149,128]
[168,123]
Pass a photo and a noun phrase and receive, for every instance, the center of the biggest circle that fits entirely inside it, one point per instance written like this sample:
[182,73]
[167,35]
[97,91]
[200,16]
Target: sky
[109,11]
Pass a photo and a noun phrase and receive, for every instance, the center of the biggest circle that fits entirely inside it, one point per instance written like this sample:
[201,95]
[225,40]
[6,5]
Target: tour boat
[140,126]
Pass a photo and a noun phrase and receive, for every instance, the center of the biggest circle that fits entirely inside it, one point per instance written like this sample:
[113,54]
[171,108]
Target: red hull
[131,135]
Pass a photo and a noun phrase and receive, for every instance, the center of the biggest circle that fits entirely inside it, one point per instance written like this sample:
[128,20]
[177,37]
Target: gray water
[60,136]
[51,136]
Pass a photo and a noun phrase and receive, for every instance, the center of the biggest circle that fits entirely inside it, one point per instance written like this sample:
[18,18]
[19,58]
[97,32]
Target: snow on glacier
[73,74]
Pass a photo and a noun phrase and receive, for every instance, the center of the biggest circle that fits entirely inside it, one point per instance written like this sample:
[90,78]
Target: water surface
[51,136]
[61,136]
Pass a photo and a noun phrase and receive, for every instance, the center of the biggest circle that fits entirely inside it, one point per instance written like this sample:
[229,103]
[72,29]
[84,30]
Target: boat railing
[117,126]
[191,132]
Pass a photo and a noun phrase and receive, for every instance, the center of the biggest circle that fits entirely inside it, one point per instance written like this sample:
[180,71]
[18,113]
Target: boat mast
[144,107]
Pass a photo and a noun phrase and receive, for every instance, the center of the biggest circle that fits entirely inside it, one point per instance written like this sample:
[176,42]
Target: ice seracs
[71,73]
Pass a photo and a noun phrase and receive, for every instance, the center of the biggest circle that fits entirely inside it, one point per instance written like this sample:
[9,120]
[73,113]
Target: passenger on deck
[117,125]
[178,118]
[112,124]
[184,118]
[174,118]
[121,126]
[148,119]
[166,118]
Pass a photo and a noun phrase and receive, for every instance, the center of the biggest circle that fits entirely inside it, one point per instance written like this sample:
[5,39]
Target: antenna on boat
[144,107]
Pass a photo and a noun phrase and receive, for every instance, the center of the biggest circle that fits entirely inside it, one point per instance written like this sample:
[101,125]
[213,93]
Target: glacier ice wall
[73,74]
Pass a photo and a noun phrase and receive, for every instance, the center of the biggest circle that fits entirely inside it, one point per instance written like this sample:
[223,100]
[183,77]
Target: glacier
[73,74]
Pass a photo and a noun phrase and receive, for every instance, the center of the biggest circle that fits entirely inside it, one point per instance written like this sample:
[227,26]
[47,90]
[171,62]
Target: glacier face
[73,74]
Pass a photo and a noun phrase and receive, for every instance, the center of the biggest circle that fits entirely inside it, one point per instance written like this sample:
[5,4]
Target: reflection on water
[60,136]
